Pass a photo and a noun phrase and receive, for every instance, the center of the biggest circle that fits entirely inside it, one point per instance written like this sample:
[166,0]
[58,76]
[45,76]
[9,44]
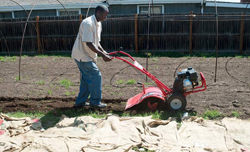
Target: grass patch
[49,119]
[17,78]
[131,81]
[239,56]
[40,82]
[235,114]
[49,92]
[19,114]
[7,58]
[211,114]
[42,56]
[119,81]
[155,59]
[66,83]
[68,93]
[148,83]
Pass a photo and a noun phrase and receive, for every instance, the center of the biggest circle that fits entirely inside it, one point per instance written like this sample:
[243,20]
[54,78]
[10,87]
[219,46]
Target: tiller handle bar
[165,90]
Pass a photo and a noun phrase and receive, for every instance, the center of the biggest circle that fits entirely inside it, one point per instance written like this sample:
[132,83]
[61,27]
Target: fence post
[38,35]
[80,17]
[191,32]
[242,32]
[136,33]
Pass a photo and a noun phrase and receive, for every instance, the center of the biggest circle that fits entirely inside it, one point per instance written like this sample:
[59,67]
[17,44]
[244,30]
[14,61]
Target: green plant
[120,94]
[235,114]
[42,56]
[119,81]
[112,93]
[41,82]
[211,114]
[148,54]
[49,92]
[68,93]
[155,59]
[131,81]
[2,59]
[66,83]
[148,83]
[239,56]
[11,59]
[19,114]
[17,78]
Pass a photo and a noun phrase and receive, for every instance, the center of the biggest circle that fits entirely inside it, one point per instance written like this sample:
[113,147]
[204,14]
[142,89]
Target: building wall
[182,8]
[123,9]
[168,8]
[132,9]
[225,10]
[20,14]
[5,15]
[85,10]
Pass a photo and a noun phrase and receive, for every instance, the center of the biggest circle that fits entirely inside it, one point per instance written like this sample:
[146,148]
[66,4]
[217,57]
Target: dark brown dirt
[230,92]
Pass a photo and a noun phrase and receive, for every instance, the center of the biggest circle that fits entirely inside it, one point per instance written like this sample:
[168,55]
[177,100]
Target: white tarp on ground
[117,134]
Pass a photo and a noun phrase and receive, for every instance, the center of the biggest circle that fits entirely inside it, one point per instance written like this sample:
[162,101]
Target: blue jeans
[91,83]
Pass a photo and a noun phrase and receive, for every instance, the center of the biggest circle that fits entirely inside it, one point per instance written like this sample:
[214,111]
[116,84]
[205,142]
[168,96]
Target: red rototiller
[162,97]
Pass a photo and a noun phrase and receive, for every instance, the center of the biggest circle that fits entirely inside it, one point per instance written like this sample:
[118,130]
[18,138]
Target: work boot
[82,105]
[101,105]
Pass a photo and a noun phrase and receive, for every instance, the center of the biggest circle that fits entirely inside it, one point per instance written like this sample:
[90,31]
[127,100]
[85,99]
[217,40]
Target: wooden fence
[164,32]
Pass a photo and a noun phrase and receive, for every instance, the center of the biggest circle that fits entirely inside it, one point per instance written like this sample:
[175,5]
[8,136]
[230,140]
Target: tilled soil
[40,88]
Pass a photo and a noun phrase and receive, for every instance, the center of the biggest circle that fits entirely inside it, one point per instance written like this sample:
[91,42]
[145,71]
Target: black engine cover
[188,73]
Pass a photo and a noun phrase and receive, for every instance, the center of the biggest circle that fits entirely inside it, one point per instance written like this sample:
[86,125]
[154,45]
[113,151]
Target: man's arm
[100,48]
[99,51]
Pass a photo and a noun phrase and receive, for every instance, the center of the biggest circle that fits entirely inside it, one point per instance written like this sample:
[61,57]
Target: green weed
[155,59]
[68,93]
[120,82]
[41,82]
[66,83]
[49,92]
[239,56]
[148,54]
[112,93]
[10,59]
[235,114]
[211,114]
[17,78]
[131,81]
[148,83]
[42,56]
[22,114]
[120,94]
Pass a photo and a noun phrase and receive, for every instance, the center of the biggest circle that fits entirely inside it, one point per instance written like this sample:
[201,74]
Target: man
[85,50]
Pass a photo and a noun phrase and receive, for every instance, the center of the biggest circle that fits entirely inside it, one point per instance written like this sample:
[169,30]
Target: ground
[42,78]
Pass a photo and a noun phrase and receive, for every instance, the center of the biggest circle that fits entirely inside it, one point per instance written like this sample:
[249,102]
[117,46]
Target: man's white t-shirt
[89,31]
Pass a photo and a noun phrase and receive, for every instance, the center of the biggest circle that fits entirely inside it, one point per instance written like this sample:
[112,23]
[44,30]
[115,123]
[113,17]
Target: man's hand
[106,58]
